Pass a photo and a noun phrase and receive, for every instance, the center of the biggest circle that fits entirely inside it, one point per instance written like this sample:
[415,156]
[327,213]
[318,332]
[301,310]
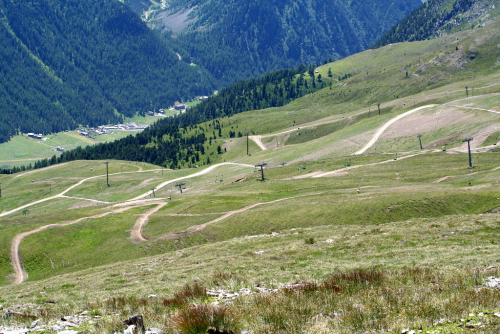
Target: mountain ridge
[243,39]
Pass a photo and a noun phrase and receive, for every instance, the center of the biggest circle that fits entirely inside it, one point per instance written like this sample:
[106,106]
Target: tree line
[170,142]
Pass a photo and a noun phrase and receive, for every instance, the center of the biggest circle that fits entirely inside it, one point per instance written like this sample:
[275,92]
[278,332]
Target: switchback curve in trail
[197,228]
[17,263]
[205,171]
[136,233]
[63,193]
[384,127]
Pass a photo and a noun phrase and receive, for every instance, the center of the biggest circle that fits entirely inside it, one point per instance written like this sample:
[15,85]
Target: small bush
[187,294]
[310,241]
[198,319]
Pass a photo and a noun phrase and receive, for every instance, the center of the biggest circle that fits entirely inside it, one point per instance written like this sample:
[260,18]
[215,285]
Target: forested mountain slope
[68,62]
[439,17]
[370,78]
[239,39]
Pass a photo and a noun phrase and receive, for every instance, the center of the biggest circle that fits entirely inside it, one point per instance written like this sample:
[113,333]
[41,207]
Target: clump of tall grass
[189,293]
[199,319]
[357,301]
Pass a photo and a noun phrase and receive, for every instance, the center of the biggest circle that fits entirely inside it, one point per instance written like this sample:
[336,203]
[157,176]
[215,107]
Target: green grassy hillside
[383,240]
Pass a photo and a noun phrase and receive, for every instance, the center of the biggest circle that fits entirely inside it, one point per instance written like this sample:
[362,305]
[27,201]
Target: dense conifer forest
[426,21]
[240,39]
[68,62]
[166,143]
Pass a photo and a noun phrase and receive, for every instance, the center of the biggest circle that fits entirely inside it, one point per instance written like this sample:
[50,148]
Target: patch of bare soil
[425,122]
[82,204]
[479,138]
[444,140]
[143,184]
[305,176]
[457,58]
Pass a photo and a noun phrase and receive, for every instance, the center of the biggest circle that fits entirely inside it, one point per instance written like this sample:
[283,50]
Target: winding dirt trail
[197,228]
[205,171]
[258,138]
[62,194]
[384,127]
[343,170]
[136,235]
[149,193]
[17,261]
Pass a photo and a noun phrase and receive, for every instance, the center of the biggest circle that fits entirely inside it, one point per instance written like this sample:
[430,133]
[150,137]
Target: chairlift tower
[261,165]
[420,140]
[153,190]
[0,189]
[246,134]
[468,140]
[107,173]
[180,186]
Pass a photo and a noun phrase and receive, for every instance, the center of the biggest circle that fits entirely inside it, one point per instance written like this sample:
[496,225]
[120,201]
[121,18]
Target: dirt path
[38,170]
[388,124]
[258,141]
[258,138]
[467,174]
[197,228]
[344,170]
[442,179]
[478,139]
[136,235]
[62,194]
[16,259]
[205,171]
[493,111]
[86,199]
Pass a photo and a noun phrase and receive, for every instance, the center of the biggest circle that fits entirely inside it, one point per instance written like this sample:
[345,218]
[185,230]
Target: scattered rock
[334,315]
[34,324]
[17,331]
[492,282]
[130,330]
[216,331]
[136,322]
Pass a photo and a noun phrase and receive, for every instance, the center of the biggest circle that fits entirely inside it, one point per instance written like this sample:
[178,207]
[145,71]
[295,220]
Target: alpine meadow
[316,167]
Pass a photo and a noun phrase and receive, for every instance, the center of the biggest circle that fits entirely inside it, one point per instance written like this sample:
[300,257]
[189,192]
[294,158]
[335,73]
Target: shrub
[310,241]
[187,294]
[198,319]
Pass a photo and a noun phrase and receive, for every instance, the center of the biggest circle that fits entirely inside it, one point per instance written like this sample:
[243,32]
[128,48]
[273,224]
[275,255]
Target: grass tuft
[203,318]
